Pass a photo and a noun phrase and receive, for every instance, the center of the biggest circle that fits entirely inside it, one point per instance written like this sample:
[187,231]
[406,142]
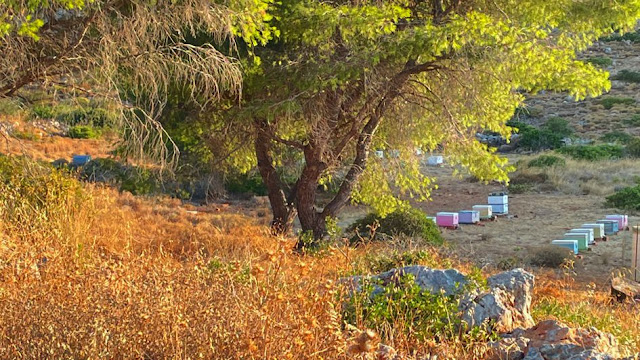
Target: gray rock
[434,281]
[607,50]
[507,304]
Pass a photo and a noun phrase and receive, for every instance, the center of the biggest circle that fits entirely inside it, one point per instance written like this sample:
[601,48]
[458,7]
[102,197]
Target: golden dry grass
[117,276]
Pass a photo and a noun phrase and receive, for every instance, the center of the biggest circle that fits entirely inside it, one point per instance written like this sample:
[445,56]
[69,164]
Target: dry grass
[581,177]
[117,276]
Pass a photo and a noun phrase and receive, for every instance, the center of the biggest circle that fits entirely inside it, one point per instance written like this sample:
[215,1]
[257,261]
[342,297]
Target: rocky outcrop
[551,340]
[507,304]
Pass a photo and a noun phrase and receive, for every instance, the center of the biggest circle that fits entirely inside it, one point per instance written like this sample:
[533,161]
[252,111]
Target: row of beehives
[498,205]
[581,238]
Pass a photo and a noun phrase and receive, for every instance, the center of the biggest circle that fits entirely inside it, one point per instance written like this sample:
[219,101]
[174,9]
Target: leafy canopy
[413,75]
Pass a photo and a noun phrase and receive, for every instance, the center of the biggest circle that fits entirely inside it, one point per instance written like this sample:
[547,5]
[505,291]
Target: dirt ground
[533,221]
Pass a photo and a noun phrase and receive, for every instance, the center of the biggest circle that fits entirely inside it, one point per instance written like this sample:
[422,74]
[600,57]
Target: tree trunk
[283,211]
[311,220]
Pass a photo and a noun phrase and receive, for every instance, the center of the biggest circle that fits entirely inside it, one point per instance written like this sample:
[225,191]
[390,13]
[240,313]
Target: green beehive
[582,238]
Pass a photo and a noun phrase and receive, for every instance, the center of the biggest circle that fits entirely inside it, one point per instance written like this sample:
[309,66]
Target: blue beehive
[80,160]
[610,226]
[468,217]
[569,244]
[500,208]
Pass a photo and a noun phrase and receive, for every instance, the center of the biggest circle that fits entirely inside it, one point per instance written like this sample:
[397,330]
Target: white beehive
[598,230]
[589,232]
[498,199]
[569,244]
[582,239]
[435,160]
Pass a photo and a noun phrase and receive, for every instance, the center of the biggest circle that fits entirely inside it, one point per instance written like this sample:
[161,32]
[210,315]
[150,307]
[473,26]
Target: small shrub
[508,263]
[633,148]
[600,61]
[136,180]
[627,199]
[95,117]
[83,132]
[550,256]
[378,263]
[410,222]
[406,307]
[43,112]
[520,188]
[592,152]
[549,136]
[246,184]
[543,161]
[627,76]
[528,178]
[559,126]
[631,36]
[9,106]
[25,135]
[617,136]
[632,121]
[609,101]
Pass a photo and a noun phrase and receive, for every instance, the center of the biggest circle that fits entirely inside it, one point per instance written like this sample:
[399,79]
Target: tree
[131,51]
[348,77]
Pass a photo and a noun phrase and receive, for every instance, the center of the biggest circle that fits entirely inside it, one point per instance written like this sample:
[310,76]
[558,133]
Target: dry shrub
[550,256]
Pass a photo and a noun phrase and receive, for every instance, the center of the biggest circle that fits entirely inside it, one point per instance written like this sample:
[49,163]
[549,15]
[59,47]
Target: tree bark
[283,210]
[311,220]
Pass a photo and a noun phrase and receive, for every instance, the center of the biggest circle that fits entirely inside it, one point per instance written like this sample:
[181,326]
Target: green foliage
[374,263]
[600,61]
[43,111]
[543,161]
[633,148]
[627,76]
[620,137]
[405,307]
[549,136]
[632,121]
[32,194]
[592,152]
[410,222]
[246,184]
[633,36]
[625,199]
[83,132]
[95,117]
[609,101]
[136,180]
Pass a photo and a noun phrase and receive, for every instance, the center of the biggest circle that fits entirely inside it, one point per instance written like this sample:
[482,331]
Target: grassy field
[102,274]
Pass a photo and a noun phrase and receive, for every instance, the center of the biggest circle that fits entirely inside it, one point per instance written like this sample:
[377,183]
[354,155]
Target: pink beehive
[447,219]
[623,220]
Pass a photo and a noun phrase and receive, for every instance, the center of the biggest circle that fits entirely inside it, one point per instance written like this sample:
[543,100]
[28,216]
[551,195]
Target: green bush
[96,117]
[43,112]
[246,184]
[83,132]
[632,121]
[609,101]
[547,161]
[549,136]
[617,136]
[600,61]
[627,76]
[592,152]
[520,188]
[411,222]
[626,199]
[381,262]
[136,180]
[631,36]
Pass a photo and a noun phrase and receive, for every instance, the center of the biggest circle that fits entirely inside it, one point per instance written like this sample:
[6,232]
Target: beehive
[589,232]
[582,239]
[498,199]
[80,160]
[610,226]
[598,230]
[486,211]
[447,219]
[623,220]
[435,160]
[569,244]
[500,208]
[468,217]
